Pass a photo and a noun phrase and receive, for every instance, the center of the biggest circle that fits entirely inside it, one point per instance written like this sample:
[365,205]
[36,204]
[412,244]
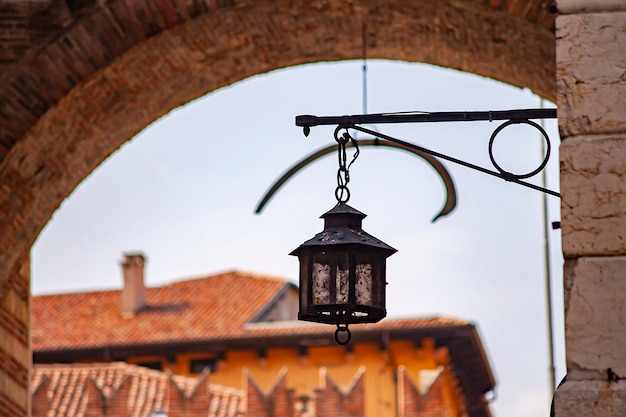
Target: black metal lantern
[342,272]
[342,268]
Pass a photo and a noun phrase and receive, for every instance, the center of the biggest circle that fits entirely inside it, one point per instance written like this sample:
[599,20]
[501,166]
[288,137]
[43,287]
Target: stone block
[586,6]
[590,399]
[593,195]
[595,317]
[591,73]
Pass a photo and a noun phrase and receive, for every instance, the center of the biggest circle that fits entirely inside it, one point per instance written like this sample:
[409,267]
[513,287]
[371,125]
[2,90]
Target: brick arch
[93,75]
[175,54]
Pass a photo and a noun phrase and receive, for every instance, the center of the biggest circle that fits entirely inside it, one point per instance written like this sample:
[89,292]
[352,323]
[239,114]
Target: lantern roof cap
[341,216]
[342,209]
[342,226]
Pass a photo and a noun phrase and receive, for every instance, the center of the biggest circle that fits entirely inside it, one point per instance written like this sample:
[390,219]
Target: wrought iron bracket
[520,116]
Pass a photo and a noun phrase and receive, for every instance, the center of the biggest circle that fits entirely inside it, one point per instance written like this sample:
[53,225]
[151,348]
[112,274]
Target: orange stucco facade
[303,370]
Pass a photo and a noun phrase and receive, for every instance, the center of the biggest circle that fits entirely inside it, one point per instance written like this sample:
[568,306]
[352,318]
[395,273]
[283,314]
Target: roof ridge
[440,320]
[439,317]
[88,291]
[237,273]
[175,281]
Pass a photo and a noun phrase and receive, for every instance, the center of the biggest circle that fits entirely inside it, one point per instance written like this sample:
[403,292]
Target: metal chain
[342,193]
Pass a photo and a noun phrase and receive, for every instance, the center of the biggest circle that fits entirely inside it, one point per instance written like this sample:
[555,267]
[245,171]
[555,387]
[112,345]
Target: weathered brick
[15,355]
[189,401]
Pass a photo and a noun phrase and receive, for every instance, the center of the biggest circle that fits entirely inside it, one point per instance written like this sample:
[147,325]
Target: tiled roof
[64,389]
[214,308]
[193,310]
[218,313]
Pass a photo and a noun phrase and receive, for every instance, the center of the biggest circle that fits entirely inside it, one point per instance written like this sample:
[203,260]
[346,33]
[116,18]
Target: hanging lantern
[342,272]
[342,268]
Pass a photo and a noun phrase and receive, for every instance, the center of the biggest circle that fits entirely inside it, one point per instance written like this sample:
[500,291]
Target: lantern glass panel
[342,286]
[329,279]
[321,283]
[364,283]
[370,280]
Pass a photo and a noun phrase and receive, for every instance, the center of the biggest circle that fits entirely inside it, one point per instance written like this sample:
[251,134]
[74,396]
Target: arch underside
[69,104]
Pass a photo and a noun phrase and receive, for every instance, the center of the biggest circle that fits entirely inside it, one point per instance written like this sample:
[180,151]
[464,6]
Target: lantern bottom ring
[343,328]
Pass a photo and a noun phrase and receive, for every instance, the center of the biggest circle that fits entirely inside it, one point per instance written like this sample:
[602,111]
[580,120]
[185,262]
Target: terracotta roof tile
[193,310]
[217,308]
[65,387]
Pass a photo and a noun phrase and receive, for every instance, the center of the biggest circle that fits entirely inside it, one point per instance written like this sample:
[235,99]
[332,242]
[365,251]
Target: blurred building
[230,344]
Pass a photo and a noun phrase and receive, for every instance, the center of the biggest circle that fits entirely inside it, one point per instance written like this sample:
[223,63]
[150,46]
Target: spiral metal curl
[509,176]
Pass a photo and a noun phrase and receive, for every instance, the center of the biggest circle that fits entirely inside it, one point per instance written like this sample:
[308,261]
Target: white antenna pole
[546,247]
[364,51]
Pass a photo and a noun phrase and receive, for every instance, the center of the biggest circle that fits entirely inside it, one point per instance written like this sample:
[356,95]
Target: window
[197,366]
[156,365]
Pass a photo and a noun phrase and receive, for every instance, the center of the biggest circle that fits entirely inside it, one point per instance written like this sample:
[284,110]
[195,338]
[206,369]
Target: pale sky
[184,191]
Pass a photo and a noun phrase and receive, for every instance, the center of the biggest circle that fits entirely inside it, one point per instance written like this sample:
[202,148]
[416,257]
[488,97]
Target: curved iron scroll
[449,204]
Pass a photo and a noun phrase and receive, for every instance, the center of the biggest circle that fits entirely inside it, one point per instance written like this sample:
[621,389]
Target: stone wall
[591,98]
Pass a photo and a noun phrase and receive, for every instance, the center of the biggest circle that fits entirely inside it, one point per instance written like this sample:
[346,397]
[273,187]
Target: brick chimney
[134,291]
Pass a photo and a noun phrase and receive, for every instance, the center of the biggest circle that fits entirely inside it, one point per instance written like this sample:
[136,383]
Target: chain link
[342,193]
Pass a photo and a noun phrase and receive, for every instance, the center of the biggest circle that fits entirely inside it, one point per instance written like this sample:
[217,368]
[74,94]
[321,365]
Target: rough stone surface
[591,98]
[593,195]
[586,6]
[595,317]
[591,73]
[591,399]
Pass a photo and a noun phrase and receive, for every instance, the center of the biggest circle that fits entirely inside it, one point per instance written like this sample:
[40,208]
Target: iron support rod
[455,160]
[417,117]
